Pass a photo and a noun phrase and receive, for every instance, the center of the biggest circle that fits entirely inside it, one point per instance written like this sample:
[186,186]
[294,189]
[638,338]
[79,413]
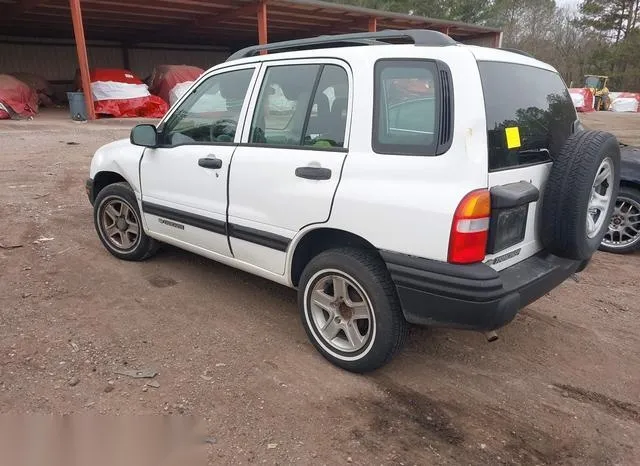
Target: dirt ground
[626,126]
[561,386]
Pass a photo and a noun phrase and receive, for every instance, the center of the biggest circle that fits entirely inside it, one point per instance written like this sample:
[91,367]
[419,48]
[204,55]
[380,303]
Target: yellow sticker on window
[513,137]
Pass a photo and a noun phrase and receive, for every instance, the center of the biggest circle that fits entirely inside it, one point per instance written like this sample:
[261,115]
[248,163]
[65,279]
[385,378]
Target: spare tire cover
[579,196]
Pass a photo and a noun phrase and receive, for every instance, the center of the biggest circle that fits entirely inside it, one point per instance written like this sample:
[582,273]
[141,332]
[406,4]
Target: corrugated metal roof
[210,22]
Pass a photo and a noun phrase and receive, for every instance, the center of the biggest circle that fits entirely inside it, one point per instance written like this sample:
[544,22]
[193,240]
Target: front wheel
[118,222]
[350,309]
[623,235]
[597,104]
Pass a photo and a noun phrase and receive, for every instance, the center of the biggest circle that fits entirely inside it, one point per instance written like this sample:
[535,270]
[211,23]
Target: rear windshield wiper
[535,152]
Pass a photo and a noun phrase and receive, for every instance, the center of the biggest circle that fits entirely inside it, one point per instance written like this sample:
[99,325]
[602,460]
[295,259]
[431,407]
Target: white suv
[392,178]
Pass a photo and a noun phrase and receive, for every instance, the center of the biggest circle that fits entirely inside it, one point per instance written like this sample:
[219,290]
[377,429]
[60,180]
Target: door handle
[313,173]
[210,162]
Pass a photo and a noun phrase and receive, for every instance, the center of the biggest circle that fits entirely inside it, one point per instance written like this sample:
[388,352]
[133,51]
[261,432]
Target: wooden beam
[164,5]
[251,23]
[209,20]
[135,12]
[83,60]
[18,8]
[275,11]
[262,23]
[338,28]
[497,41]
[373,24]
[247,10]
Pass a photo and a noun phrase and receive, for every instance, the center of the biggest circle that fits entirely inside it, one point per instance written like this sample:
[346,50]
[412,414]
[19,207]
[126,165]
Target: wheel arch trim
[304,234]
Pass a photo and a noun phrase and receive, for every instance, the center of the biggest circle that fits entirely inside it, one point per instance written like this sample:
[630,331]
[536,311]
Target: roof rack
[519,52]
[421,37]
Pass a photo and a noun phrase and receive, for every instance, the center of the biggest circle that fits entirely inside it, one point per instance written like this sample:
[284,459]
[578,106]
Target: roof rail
[519,52]
[422,37]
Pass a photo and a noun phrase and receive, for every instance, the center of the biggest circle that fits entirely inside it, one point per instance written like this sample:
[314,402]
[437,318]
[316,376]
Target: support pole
[373,24]
[83,61]
[262,23]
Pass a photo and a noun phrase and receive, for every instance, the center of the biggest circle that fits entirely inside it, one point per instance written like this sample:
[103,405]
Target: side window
[328,118]
[406,107]
[211,112]
[302,105]
[280,113]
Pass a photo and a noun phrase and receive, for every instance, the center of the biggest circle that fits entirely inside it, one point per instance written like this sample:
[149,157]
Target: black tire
[142,247]
[631,197]
[568,193]
[370,276]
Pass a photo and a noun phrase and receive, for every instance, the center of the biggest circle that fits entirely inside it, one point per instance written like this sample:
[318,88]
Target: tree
[617,22]
[615,19]
[468,11]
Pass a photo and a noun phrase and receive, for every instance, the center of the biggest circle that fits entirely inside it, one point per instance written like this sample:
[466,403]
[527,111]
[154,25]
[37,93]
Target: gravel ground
[561,386]
[626,126]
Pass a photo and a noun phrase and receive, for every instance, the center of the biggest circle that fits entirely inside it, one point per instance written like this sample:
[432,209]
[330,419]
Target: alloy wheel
[624,228]
[120,224]
[601,194]
[341,312]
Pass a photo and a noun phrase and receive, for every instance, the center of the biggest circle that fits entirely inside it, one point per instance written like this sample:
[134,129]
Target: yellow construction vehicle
[598,86]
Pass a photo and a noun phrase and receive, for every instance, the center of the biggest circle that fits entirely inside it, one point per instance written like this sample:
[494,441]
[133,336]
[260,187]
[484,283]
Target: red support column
[373,24]
[83,61]
[262,23]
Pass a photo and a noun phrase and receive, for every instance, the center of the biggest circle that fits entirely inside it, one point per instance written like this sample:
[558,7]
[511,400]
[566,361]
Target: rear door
[286,170]
[530,115]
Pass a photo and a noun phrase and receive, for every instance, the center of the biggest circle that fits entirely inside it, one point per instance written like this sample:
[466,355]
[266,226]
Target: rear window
[530,114]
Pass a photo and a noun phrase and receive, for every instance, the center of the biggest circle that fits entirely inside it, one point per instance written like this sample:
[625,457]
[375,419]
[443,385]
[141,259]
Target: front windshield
[593,81]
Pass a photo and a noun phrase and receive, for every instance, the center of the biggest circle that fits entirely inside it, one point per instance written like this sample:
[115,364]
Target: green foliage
[614,19]
[469,11]
[617,24]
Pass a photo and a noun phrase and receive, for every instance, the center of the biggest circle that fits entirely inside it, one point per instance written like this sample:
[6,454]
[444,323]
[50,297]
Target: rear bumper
[473,296]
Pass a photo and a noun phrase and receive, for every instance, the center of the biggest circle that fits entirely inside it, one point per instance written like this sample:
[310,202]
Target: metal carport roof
[230,23]
[210,22]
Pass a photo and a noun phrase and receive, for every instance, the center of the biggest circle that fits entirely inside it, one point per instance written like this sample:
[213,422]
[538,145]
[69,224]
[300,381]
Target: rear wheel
[623,235]
[350,309]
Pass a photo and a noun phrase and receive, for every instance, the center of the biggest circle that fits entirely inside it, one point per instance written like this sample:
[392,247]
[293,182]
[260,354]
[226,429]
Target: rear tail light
[470,228]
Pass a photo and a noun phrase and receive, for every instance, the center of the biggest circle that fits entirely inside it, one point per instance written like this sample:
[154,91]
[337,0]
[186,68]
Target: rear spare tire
[580,194]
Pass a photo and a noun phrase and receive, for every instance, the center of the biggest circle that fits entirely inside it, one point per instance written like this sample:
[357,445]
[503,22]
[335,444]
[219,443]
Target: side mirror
[145,136]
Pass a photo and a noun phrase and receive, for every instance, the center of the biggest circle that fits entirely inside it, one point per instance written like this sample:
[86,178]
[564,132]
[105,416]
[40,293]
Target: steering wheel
[222,131]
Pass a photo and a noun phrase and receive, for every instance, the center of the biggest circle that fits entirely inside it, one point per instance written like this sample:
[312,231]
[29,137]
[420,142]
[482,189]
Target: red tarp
[145,107]
[41,86]
[626,102]
[582,99]
[18,98]
[120,93]
[166,77]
